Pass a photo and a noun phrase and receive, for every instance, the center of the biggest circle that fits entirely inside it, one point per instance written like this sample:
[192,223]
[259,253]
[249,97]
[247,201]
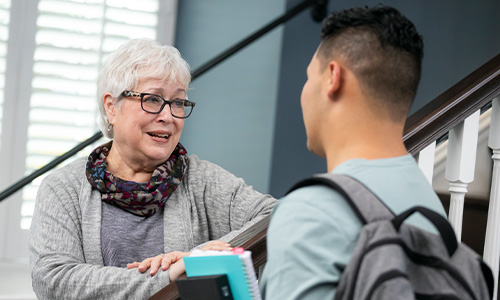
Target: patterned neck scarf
[141,199]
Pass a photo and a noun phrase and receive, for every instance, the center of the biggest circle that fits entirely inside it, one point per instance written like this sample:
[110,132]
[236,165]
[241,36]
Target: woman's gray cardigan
[65,237]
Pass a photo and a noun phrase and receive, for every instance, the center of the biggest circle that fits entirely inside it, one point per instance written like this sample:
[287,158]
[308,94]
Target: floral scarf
[141,199]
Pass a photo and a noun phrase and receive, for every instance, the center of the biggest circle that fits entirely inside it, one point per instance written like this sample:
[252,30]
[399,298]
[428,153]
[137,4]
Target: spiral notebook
[237,265]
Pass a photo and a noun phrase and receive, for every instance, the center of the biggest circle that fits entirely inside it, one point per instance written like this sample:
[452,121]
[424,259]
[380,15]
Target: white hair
[133,60]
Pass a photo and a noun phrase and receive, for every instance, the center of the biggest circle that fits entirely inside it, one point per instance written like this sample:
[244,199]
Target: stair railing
[455,114]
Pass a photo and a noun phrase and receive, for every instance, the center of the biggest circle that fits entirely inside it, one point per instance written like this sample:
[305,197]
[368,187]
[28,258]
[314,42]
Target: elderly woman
[138,202]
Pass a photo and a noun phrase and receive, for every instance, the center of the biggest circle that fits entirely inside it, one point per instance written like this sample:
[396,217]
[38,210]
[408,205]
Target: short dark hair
[382,48]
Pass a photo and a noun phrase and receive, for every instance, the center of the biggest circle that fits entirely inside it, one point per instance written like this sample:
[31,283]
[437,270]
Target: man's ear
[334,77]
[109,106]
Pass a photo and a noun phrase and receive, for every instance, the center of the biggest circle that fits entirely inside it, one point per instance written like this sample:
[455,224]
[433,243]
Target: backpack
[395,260]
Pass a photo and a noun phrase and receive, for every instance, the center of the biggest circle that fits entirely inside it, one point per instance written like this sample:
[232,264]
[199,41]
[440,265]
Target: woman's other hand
[176,270]
[217,245]
[154,263]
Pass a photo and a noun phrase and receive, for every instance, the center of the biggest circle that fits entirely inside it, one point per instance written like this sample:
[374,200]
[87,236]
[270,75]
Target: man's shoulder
[313,195]
[305,215]
[397,181]
[318,200]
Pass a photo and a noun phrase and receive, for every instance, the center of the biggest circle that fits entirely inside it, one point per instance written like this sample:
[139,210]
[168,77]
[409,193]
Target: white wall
[15,283]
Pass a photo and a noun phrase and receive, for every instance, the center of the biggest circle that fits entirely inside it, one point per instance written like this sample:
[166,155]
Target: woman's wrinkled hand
[170,259]
[154,263]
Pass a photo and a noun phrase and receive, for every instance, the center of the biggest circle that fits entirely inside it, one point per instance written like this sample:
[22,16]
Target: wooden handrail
[426,125]
[439,116]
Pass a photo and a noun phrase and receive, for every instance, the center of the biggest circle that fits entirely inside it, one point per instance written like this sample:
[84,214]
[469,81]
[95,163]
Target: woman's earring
[110,126]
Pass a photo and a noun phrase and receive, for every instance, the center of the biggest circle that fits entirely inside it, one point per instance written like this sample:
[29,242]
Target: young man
[361,83]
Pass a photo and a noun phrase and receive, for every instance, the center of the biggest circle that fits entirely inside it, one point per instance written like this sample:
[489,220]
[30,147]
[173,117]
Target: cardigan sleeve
[226,203]
[245,208]
[58,263]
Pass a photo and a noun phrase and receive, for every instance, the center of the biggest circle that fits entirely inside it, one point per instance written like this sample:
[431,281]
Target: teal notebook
[238,267]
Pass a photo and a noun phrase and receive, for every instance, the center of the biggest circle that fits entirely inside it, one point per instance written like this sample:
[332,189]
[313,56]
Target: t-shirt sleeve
[312,234]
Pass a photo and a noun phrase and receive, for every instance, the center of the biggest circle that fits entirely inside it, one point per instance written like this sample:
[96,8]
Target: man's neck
[380,146]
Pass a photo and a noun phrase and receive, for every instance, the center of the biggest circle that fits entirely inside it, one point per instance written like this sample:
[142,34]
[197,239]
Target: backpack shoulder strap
[365,204]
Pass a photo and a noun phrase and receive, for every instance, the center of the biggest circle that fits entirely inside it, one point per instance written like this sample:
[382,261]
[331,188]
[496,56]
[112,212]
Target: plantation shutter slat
[4,37]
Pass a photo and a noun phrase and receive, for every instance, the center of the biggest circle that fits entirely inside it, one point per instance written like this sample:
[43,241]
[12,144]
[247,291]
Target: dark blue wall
[232,124]
[459,36]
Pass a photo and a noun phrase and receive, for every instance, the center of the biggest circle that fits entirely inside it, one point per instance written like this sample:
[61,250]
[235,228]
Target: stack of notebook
[236,264]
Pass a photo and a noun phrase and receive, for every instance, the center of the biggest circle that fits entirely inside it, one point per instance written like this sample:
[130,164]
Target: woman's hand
[176,270]
[217,245]
[154,263]
[166,260]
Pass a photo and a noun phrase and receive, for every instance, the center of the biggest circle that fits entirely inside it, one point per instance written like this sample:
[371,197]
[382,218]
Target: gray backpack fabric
[395,260]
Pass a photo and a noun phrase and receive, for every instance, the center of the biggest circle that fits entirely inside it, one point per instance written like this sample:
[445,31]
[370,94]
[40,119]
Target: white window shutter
[4,37]
[73,37]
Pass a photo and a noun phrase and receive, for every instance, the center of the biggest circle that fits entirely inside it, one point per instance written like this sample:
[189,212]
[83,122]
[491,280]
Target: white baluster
[492,239]
[426,161]
[460,163]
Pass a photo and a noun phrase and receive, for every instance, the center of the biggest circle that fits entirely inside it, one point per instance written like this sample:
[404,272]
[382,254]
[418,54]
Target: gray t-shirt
[126,238]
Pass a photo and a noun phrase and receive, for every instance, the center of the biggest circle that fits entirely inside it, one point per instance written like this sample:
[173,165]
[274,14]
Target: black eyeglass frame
[169,102]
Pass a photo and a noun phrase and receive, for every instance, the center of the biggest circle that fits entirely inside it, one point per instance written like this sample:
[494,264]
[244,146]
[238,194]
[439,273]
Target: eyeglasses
[154,104]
